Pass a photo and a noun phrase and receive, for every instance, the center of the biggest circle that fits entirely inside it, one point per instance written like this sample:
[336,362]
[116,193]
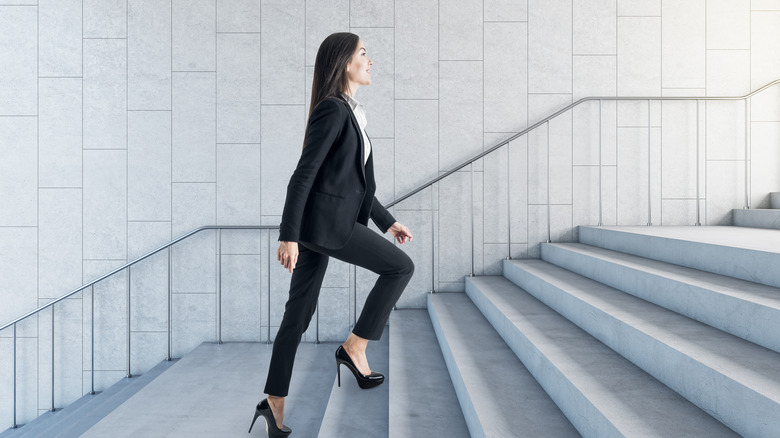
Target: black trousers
[365,248]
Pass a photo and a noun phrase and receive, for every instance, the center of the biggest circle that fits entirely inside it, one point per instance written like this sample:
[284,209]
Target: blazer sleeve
[381,217]
[324,127]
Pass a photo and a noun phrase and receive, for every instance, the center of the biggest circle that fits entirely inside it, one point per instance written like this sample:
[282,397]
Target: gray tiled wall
[127,123]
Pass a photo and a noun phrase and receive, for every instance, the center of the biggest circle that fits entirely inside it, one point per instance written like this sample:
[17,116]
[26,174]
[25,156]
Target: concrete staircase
[631,332]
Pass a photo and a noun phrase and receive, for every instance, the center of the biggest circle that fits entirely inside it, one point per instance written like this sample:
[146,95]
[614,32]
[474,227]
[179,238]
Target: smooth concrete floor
[212,392]
[759,239]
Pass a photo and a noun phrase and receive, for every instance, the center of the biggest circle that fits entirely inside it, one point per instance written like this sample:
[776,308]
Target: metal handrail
[559,112]
[127,265]
[396,201]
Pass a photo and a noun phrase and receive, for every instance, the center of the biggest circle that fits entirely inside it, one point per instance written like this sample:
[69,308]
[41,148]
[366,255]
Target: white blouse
[360,115]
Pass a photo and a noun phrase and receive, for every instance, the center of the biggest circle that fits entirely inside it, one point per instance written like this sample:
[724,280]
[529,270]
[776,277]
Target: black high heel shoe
[270,424]
[370,381]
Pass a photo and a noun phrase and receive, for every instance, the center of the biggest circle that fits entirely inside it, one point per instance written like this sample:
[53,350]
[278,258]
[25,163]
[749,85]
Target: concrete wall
[124,124]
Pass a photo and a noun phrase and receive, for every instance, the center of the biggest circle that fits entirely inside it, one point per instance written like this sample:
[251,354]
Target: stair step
[354,412]
[734,380]
[422,399]
[94,411]
[751,254]
[774,200]
[498,395]
[756,218]
[44,426]
[601,392]
[45,420]
[213,391]
[745,309]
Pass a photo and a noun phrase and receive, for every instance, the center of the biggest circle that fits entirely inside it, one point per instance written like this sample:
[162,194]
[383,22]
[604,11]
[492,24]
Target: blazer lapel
[360,140]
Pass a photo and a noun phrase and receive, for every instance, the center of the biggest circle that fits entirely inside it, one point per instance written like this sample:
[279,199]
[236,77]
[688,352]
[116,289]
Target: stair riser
[769,219]
[751,321]
[582,414]
[774,200]
[755,266]
[728,401]
[469,411]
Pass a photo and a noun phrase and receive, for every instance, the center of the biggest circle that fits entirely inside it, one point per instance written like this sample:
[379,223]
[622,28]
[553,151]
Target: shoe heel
[338,372]
[257,414]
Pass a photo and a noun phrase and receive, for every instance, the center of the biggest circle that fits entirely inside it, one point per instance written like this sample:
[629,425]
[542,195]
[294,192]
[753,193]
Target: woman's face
[359,67]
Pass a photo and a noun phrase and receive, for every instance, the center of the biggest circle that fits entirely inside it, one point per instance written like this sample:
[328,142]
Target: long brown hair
[330,74]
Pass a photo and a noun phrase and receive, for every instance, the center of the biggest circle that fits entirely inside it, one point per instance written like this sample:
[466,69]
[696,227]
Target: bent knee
[407,267]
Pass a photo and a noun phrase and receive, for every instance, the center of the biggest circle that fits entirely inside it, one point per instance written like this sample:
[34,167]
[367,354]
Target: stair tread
[745,290]
[355,412]
[212,392]
[96,409]
[423,401]
[502,393]
[46,419]
[75,409]
[750,254]
[755,239]
[754,366]
[630,399]
[745,309]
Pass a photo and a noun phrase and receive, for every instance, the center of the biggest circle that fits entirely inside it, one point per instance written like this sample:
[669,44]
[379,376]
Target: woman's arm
[387,223]
[381,217]
[324,127]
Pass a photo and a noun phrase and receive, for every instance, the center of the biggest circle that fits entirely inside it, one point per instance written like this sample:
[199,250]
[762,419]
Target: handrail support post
[129,374]
[471,201]
[601,214]
[698,198]
[52,359]
[170,305]
[649,169]
[14,423]
[549,231]
[219,285]
[92,341]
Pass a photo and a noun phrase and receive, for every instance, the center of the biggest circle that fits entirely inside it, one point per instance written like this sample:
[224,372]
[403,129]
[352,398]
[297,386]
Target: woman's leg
[304,289]
[369,250]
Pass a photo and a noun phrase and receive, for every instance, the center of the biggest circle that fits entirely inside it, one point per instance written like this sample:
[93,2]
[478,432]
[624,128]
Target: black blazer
[330,189]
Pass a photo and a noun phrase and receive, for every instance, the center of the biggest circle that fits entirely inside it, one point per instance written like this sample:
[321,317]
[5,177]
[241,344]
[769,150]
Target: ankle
[353,349]
[356,346]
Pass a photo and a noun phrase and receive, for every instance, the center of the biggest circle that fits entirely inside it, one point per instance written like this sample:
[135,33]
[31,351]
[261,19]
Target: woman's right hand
[287,254]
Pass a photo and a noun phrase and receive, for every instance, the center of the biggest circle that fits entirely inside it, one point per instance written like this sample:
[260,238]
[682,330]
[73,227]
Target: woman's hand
[287,254]
[400,232]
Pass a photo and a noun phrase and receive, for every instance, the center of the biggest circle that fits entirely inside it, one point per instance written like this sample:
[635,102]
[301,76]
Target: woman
[330,198]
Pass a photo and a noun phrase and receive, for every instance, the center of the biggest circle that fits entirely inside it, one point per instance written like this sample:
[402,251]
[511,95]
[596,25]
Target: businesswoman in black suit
[330,198]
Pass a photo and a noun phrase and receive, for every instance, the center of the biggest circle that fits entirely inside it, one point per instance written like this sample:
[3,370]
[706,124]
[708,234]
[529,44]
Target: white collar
[352,102]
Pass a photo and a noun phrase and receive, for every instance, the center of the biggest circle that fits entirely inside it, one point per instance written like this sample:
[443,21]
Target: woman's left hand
[400,232]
